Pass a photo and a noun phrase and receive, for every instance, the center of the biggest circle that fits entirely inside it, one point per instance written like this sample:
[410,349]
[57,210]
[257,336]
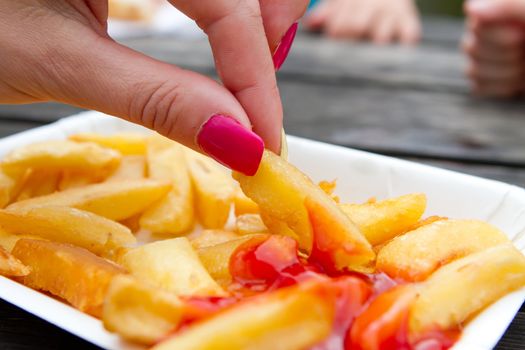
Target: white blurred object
[166,20]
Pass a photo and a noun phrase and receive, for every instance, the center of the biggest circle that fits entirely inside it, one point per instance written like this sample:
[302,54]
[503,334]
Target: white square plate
[360,175]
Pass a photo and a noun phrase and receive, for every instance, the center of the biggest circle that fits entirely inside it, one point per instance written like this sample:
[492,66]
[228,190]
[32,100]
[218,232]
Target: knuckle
[231,11]
[156,106]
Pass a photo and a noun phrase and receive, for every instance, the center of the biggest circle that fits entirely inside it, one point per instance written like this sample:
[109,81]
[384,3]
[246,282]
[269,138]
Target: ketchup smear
[373,302]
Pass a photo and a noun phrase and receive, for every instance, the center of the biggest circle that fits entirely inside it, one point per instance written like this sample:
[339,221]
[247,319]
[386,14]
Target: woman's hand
[382,21]
[59,50]
[495,45]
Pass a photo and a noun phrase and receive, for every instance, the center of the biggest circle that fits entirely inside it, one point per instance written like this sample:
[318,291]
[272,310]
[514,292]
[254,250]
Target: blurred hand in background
[380,21]
[495,45]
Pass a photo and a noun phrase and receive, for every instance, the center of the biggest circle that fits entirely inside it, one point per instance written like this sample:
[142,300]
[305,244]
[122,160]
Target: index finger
[243,59]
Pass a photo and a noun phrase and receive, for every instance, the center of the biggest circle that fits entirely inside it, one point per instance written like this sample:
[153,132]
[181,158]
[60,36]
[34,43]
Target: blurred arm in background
[381,21]
[495,45]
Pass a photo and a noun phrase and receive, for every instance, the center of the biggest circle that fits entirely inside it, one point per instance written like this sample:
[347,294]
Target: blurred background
[441,7]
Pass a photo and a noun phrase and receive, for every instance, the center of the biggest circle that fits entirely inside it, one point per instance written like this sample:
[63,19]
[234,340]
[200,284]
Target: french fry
[139,312]
[130,168]
[216,258]
[10,186]
[250,223]
[133,223]
[207,238]
[113,200]
[338,243]
[329,187]
[125,143]
[462,288]
[132,10]
[174,214]
[61,155]
[416,254]
[214,190]
[39,183]
[286,195]
[171,264]
[279,190]
[277,320]
[243,204]
[383,320]
[11,266]
[8,240]
[74,178]
[382,221]
[71,273]
[68,225]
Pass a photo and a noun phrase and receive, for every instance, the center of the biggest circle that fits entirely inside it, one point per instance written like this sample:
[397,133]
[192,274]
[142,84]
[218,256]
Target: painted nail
[282,50]
[231,144]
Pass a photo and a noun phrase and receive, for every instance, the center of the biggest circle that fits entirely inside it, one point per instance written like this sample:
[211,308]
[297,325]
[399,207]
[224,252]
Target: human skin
[59,50]
[495,46]
[381,21]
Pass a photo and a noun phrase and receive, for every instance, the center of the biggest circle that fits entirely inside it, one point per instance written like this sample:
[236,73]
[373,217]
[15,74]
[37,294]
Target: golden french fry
[216,258]
[207,238]
[462,288]
[71,273]
[133,222]
[130,168]
[416,254]
[61,155]
[284,145]
[132,10]
[280,189]
[11,266]
[382,221]
[329,187]
[286,195]
[338,243]
[250,223]
[74,178]
[290,318]
[40,182]
[139,312]
[10,186]
[174,214]
[8,240]
[68,225]
[125,143]
[112,200]
[171,264]
[214,190]
[243,204]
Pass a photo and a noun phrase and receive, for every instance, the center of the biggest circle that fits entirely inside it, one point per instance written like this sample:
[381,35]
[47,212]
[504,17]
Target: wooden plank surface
[393,100]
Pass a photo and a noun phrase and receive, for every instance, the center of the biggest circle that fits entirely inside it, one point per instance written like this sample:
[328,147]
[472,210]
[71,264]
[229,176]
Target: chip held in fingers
[289,197]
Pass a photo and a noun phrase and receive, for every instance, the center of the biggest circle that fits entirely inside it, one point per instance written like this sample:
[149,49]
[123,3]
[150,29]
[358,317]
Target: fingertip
[478,8]
[271,134]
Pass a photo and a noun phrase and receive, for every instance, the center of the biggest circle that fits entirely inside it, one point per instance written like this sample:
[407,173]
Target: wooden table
[411,103]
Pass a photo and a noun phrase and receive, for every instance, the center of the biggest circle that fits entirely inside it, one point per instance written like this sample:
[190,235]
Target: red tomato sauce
[371,310]
[374,303]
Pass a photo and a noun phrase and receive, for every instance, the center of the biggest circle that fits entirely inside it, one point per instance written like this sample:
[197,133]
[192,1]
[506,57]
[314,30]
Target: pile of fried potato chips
[125,227]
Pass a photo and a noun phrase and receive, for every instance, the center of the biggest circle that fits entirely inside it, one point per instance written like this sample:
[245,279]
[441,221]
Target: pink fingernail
[231,144]
[280,54]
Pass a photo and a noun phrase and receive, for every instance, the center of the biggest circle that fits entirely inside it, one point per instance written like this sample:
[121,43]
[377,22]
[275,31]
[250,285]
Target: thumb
[180,104]
[496,10]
